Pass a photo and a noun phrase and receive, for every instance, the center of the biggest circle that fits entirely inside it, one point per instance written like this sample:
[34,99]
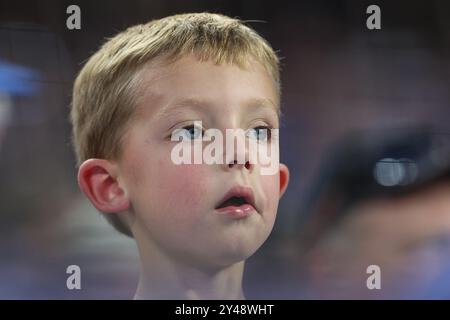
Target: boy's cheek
[187,184]
[165,180]
[271,188]
[172,197]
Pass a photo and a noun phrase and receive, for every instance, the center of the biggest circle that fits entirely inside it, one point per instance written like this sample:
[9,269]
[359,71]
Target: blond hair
[104,94]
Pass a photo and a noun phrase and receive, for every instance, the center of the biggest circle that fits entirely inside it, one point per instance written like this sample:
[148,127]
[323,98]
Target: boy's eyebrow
[187,102]
[256,103]
[252,103]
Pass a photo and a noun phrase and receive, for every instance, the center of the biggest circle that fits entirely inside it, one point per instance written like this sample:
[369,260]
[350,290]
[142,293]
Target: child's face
[174,206]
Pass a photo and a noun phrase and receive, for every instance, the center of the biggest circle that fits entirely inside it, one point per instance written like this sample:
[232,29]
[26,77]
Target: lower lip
[237,212]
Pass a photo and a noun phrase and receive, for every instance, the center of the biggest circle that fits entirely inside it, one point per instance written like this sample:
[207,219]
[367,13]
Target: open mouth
[238,201]
[233,201]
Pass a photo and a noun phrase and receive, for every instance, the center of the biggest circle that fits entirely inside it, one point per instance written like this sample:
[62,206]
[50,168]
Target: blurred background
[365,133]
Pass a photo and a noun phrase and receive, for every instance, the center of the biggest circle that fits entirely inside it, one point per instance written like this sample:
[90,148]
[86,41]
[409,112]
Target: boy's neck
[165,277]
[188,283]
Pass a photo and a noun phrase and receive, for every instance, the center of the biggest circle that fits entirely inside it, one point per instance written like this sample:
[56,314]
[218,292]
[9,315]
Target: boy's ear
[284,178]
[97,178]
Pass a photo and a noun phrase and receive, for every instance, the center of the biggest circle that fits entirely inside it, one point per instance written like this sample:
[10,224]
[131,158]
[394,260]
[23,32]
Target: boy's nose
[238,156]
[247,165]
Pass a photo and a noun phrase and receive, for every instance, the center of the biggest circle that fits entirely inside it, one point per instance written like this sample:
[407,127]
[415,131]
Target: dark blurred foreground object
[381,199]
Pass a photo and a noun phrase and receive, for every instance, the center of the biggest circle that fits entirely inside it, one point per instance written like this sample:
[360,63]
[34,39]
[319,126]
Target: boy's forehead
[190,83]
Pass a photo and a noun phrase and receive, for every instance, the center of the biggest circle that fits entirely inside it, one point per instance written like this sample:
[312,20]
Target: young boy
[194,224]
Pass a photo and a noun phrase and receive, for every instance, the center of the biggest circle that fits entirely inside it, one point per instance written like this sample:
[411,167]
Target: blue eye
[192,132]
[261,133]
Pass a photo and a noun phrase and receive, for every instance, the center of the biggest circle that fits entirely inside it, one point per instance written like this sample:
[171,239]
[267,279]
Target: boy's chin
[225,257]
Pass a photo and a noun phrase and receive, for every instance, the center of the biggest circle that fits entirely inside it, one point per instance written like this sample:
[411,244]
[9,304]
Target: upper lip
[239,191]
